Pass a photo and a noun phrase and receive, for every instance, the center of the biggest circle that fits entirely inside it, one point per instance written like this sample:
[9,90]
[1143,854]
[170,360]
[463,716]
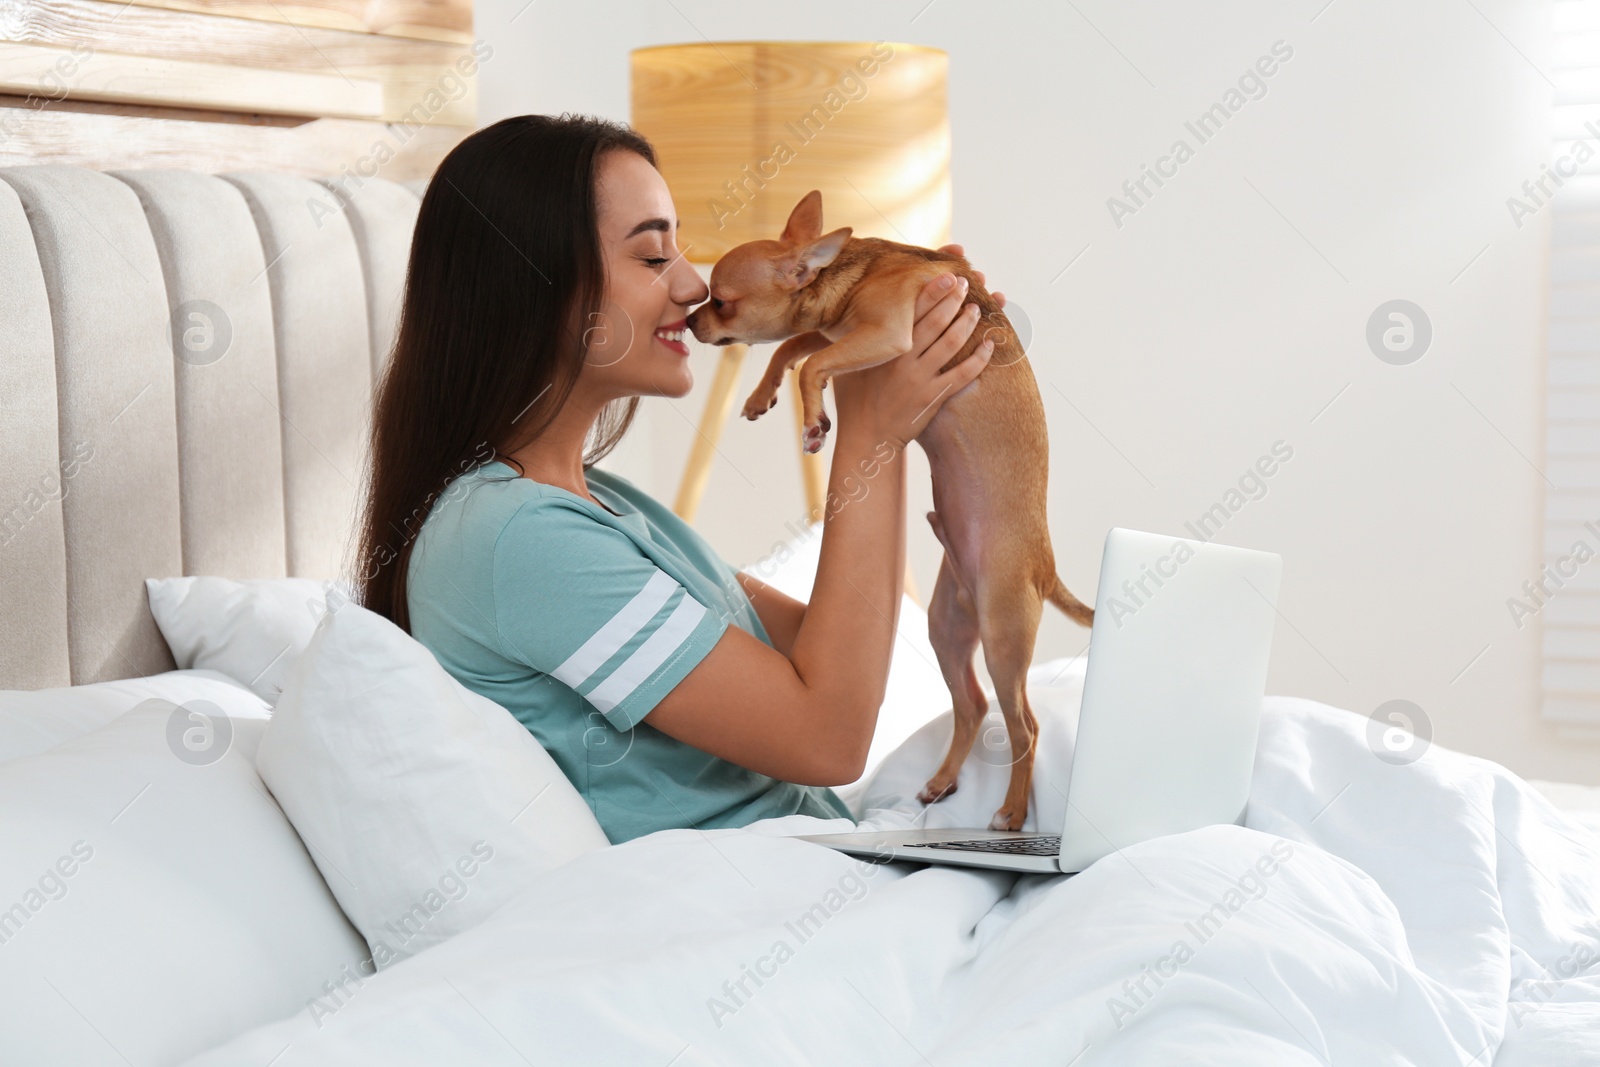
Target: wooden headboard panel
[316,88]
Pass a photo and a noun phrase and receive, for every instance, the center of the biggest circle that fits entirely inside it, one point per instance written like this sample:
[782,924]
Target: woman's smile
[672,336]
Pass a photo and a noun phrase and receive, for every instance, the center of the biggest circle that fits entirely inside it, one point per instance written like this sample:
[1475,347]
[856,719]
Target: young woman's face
[635,343]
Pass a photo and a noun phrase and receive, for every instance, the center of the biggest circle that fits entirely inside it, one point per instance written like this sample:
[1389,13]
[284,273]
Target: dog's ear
[805,221]
[798,269]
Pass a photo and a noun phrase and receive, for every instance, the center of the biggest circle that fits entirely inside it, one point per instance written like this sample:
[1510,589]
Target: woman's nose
[688,287]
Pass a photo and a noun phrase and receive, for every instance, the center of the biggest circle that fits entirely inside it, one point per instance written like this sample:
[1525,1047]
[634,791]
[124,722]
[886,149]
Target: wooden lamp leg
[911,583]
[813,473]
[719,405]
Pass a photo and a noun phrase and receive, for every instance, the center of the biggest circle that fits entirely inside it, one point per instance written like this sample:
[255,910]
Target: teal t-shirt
[578,619]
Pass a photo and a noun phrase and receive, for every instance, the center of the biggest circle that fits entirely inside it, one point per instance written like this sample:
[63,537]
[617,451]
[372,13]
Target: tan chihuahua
[844,304]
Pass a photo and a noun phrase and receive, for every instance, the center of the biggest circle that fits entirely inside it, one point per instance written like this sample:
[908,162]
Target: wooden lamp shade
[743,129]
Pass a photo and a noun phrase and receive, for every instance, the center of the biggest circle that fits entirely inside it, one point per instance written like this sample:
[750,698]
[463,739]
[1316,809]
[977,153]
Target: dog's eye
[717,304]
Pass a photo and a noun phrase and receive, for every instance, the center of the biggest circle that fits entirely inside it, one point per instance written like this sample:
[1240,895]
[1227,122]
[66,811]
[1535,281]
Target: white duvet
[1437,913]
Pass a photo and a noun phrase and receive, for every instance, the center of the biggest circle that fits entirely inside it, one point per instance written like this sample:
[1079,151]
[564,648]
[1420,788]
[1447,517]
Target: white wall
[1221,317]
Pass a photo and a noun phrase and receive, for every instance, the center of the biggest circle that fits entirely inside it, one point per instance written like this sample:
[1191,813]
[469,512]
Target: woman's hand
[901,396]
[957,250]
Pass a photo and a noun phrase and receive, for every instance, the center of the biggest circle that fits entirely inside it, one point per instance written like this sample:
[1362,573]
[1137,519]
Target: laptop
[1171,709]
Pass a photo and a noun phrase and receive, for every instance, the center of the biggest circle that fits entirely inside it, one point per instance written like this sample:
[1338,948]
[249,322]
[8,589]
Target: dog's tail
[1071,606]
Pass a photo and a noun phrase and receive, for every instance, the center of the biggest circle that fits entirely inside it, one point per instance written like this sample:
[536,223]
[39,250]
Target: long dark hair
[505,264]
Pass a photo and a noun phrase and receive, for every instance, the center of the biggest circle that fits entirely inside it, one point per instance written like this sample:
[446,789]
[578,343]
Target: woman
[544,295]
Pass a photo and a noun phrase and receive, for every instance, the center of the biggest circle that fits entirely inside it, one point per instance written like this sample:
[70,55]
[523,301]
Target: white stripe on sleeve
[650,655]
[618,631]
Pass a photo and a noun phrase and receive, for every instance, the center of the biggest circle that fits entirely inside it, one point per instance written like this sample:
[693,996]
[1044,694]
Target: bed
[1443,911]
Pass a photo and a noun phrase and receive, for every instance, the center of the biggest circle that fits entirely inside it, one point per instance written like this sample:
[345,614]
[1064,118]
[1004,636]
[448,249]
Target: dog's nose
[694,322]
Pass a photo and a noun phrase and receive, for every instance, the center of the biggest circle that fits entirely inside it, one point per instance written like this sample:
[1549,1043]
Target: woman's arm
[808,717]
[780,613]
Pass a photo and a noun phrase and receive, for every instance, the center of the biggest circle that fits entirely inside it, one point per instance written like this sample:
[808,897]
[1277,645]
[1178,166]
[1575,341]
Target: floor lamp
[743,129]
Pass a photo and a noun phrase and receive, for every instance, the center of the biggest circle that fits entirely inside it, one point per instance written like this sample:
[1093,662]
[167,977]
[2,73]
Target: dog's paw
[1004,819]
[761,401]
[936,791]
[811,441]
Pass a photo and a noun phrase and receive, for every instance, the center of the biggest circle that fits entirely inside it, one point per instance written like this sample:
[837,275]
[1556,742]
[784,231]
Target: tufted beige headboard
[186,363]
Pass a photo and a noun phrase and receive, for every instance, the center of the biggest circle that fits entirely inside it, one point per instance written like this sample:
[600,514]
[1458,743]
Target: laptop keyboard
[1024,846]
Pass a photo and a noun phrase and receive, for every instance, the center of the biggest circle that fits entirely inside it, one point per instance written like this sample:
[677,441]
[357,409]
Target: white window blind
[1568,591]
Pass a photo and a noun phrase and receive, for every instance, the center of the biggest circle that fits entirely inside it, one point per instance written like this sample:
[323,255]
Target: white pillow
[916,692]
[153,899]
[425,805]
[36,720]
[253,631]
